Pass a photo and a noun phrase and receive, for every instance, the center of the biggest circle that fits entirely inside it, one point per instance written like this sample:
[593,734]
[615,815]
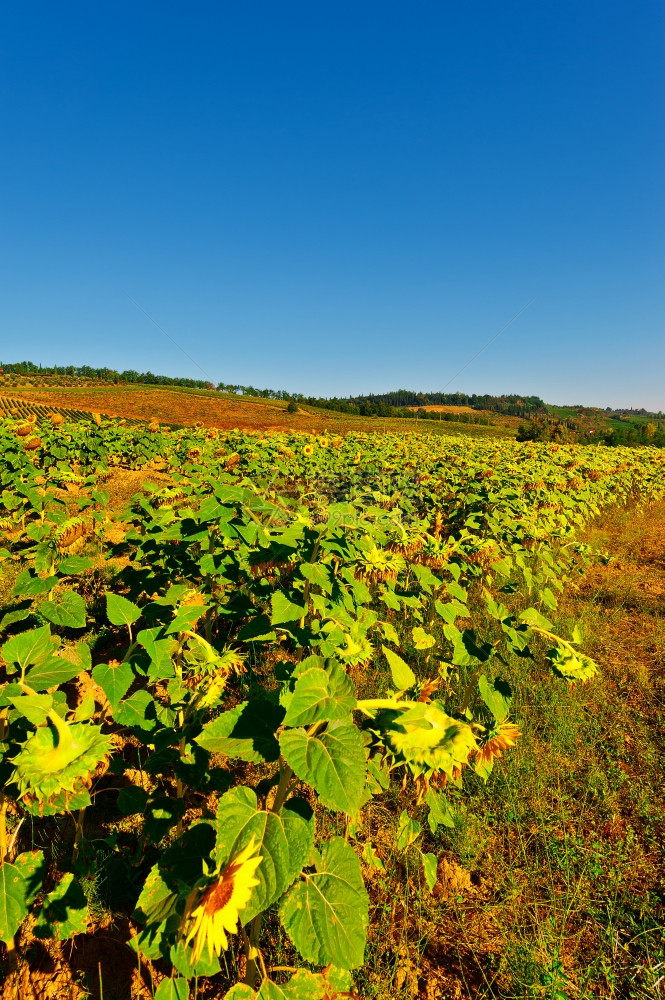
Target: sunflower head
[55,766]
[429,742]
[498,739]
[380,564]
[308,450]
[214,909]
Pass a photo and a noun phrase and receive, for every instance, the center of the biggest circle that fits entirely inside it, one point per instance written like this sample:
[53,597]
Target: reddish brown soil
[174,406]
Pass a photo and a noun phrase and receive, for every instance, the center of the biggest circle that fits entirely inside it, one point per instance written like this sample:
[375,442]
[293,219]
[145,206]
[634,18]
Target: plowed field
[212,409]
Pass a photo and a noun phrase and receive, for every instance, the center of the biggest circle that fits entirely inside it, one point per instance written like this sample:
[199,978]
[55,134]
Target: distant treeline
[399,403]
[105,374]
[651,433]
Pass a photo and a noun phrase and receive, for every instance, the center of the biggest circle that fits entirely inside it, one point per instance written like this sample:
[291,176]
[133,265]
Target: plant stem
[78,834]
[285,776]
[3,830]
[253,953]
[470,689]
[371,705]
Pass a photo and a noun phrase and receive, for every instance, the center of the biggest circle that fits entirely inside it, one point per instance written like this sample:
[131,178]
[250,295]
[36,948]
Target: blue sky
[339,197]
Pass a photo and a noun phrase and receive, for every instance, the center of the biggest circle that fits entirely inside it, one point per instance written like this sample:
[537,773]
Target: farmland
[324,715]
[182,407]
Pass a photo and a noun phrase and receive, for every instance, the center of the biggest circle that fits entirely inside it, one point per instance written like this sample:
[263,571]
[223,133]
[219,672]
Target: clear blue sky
[339,197]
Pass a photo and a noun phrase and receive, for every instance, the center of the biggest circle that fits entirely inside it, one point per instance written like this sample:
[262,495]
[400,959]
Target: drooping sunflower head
[380,564]
[55,766]
[435,553]
[71,533]
[498,739]
[213,910]
[357,648]
[428,741]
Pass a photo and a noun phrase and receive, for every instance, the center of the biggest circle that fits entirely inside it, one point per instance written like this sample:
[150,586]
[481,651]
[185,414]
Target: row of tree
[512,404]
[562,431]
[105,374]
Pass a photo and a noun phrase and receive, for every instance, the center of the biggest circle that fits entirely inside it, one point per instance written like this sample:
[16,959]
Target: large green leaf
[403,675]
[497,697]
[29,648]
[303,986]
[466,650]
[326,915]
[69,612]
[33,869]
[321,696]
[35,707]
[283,840]
[333,763]
[52,672]
[137,710]
[181,957]
[29,585]
[72,565]
[532,617]
[246,732]
[240,992]
[120,611]
[114,679]
[19,615]
[64,912]
[13,901]
[172,989]
[157,899]
[439,810]
[284,610]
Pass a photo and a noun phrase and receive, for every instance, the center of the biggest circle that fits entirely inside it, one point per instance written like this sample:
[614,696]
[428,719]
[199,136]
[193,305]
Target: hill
[182,401]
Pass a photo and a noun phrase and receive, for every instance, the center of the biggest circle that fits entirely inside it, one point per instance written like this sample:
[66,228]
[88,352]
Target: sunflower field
[222,654]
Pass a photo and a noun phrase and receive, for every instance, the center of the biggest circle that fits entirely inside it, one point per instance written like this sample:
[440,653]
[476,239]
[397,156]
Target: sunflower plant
[220,678]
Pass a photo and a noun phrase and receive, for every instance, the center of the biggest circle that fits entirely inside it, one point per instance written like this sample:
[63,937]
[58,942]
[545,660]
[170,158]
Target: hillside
[180,406]
[182,402]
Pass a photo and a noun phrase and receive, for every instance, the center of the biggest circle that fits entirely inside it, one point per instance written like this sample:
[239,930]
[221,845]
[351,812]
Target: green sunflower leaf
[333,763]
[68,612]
[326,915]
[13,901]
[64,912]
[321,695]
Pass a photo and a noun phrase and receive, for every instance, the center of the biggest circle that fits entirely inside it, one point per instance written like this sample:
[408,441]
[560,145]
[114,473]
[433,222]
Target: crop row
[216,682]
